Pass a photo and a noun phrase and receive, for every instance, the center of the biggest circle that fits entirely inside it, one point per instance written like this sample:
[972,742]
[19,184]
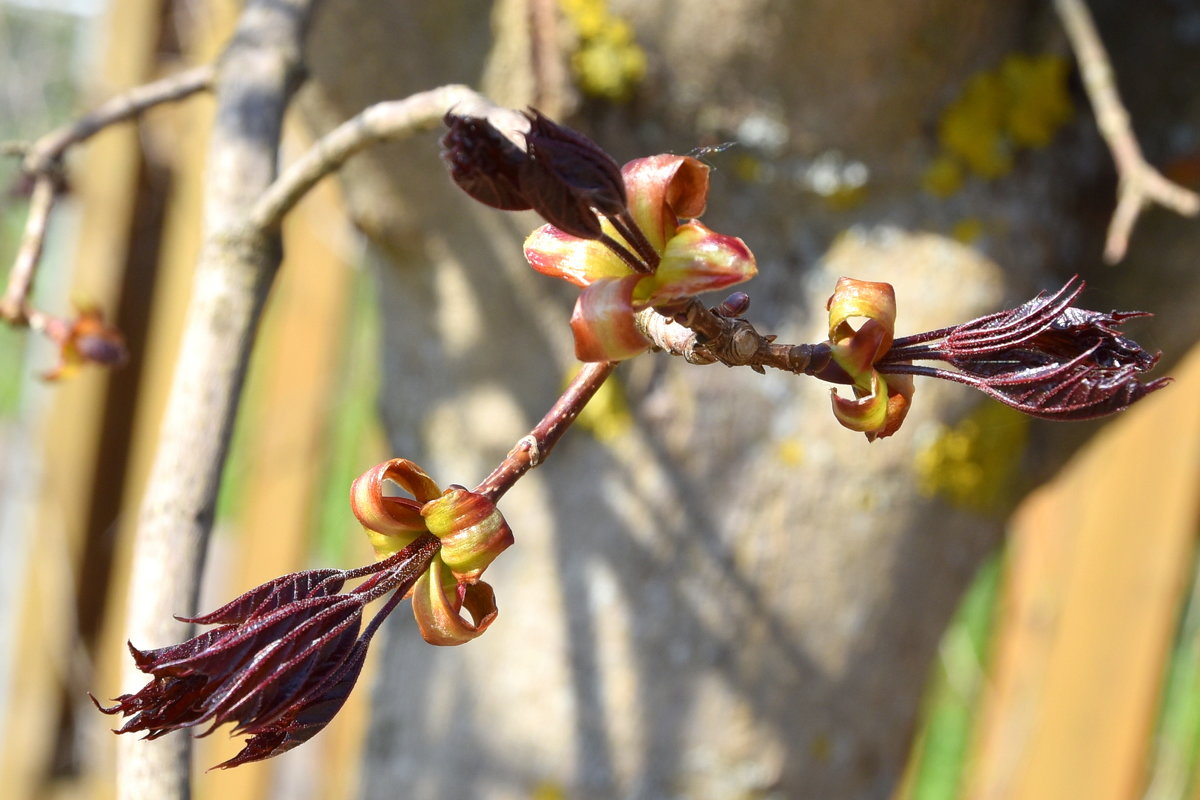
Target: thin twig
[258,73]
[533,449]
[43,161]
[1140,184]
[49,149]
[381,122]
[699,335]
[14,308]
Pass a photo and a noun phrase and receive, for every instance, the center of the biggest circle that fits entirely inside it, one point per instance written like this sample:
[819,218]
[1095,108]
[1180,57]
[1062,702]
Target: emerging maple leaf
[281,664]
[1045,357]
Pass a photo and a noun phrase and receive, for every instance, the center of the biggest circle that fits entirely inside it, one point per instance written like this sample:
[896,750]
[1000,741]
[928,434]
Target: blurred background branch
[829,571]
[258,72]
[1139,184]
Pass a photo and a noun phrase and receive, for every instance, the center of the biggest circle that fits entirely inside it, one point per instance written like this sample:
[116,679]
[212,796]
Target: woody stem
[533,449]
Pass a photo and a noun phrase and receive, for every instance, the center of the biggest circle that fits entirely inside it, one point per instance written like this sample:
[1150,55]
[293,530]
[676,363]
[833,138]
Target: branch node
[530,443]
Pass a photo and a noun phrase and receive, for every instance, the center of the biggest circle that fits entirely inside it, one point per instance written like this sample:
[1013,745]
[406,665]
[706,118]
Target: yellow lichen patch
[790,451]
[846,198]
[749,168]
[1020,104]
[608,62]
[973,463]
[971,130]
[549,790]
[606,416]
[1038,100]
[967,230]
[943,177]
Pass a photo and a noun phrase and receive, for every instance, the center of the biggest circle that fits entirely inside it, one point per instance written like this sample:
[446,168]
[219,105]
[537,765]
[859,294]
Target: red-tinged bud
[1045,357]
[472,530]
[86,339]
[468,526]
[735,305]
[603,322]
[695,260]
[879,406]
[439,600]
[619,226]
[287,653]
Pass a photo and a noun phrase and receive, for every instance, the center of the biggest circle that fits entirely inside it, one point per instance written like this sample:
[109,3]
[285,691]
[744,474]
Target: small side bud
[86,339]
[439,600]
[472,530]
[735,305]
[879,406]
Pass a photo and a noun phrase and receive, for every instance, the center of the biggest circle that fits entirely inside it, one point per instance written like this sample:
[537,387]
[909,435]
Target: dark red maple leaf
[281,663]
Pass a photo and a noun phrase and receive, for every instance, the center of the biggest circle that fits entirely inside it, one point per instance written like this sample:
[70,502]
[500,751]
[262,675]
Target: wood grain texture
[1099,564]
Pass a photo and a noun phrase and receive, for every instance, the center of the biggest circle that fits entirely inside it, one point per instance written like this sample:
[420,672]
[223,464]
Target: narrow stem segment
[46,152]
[534,448]
[14,308]
[702,336]
[386,121]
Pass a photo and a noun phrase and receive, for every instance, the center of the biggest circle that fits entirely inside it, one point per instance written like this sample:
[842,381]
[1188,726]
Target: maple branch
[1140,185]
[690,330]
[701,335]
[533,448]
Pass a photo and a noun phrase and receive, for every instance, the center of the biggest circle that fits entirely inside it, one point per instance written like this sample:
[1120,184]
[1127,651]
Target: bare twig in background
[43,161]
[381,122]
[256,77]
[550,79]
[1140,184]
[14,307]
[48,149]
